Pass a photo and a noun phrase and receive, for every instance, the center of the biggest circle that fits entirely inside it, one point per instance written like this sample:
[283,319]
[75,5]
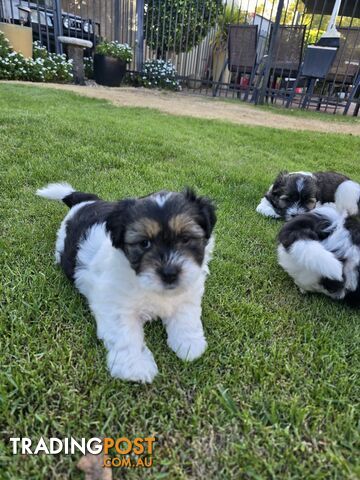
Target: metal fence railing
[252,50]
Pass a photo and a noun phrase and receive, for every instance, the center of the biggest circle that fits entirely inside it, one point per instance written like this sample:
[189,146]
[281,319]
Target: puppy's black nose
[169,274]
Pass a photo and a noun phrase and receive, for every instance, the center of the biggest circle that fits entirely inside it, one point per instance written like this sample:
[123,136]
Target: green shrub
[4,45]
[13,66]
[178,25]
[43,67]
[115,49]
[157,74]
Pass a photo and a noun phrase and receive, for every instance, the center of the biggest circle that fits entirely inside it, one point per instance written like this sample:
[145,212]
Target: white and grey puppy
[298,192]
[320,250]
[134,260]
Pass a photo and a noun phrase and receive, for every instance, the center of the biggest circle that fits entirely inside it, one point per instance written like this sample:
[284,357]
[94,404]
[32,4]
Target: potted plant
[110,62]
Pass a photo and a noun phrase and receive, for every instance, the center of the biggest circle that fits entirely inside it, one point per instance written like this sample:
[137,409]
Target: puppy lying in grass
[134,260]
[299,192]
[320,250]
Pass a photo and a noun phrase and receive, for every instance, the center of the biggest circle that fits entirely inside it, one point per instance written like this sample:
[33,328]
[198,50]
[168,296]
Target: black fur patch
[353,298]
[352,224]
[78,197]
[76,228]
[332,286]
[307,226]
[327,183]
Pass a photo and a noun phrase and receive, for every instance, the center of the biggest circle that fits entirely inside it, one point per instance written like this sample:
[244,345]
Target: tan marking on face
[311,204]
[142,229]
[182,224]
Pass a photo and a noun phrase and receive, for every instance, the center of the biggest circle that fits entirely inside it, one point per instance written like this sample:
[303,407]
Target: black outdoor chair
[287,55]
[347,61]
[288,48]
[286,59]
[242,44]
[343,74]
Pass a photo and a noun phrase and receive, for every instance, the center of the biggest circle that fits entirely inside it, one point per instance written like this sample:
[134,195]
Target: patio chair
[344,72]
[241,59]
[288,52]
[288,47]
[287,55]
[347,61]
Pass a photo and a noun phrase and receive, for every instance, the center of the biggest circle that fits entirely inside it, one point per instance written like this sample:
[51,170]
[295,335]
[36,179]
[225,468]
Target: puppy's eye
[185,240]
[284,201]
[145,244]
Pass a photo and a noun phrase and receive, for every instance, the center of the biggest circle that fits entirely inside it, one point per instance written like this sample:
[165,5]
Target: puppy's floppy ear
[117,221]
[279,182]
[206,211]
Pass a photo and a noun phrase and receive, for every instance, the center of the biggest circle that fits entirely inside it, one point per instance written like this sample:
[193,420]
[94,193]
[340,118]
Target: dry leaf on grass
[92,465]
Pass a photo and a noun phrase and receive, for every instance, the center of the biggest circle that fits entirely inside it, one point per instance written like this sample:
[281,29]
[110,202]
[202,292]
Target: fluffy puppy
[134,260]
[320,250]
[299,192]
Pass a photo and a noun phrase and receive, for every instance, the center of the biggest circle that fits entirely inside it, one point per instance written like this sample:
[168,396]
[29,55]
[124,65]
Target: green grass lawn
[276,393]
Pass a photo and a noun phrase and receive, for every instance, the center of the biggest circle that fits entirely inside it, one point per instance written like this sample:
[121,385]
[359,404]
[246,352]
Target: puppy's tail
[55,191]
[66,193]
[311,255]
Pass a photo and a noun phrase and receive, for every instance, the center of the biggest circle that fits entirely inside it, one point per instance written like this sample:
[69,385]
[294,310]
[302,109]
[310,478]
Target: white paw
[265,208]
[188,349]
[140,367]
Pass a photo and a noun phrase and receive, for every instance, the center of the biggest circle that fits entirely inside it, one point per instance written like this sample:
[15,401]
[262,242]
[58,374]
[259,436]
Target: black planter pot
[108,71]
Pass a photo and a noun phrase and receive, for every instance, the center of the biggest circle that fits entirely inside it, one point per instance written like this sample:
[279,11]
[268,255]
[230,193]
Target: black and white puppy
[300,192]
[320,250]
[134,260]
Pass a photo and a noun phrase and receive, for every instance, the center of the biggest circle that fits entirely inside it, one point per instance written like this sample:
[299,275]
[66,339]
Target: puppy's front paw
[188,348]
[139,367]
